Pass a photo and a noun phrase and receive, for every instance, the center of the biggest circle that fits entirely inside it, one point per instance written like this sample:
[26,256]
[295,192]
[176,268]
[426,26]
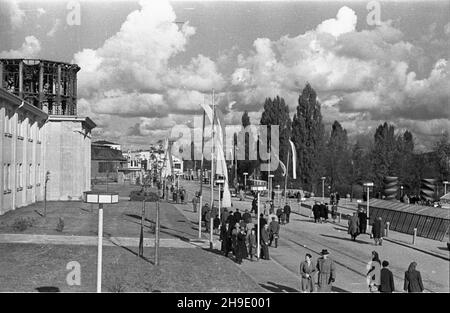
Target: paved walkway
[91,240]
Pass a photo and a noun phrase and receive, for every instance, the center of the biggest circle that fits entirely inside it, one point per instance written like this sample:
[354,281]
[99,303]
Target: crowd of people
[238,229]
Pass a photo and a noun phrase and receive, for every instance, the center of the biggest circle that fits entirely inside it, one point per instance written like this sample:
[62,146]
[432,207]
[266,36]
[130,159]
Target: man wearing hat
[327,272]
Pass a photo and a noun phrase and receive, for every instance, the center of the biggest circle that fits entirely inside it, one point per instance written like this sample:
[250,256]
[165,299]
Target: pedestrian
[316,212]
[334,211]
[373,274]
[337,198]
[216,224]
[280,215]
[224,216]
[377,231]
[195,200]
[353,226]
[241,195]
[362,221]
[386,278]
[262,220]
[225,238]
[241,252]
[327,272]
[265,242]
[207,218]
[413,279]
[255,205]
[274,230]
[251,241]
[247,217]
[237,216]
[323,212]
[287,212]
[307,270]
[234,233]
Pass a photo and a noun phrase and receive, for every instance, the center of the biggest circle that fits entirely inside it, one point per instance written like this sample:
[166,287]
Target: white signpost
[100,198]
[258,185]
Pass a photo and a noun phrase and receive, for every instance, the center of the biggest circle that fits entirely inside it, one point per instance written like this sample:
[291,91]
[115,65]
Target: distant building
[41,132]
[106,163]
[110,144]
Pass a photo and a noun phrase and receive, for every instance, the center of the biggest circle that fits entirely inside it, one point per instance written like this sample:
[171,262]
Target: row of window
[7,175]
[23,129]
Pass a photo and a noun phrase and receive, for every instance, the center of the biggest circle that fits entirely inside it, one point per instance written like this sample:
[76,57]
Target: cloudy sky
[146,65]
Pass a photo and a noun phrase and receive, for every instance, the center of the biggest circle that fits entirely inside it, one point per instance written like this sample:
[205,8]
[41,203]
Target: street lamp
[245,181]
[401,192]
[100,198]
[219,182]
[323,187]
[270,186]
[258,185]
[278,195]
[368,185]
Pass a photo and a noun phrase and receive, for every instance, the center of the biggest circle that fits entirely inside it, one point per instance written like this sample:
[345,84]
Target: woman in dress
[307,270]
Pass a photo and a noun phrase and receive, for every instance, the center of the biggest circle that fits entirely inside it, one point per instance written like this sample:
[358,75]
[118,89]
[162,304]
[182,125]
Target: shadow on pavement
[337,289]
[48,289]
[273,287]
[348,239]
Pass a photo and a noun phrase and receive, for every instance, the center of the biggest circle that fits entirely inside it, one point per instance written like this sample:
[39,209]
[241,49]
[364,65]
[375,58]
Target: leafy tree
[338,159]
[442,151]
[276,112]
[308,137]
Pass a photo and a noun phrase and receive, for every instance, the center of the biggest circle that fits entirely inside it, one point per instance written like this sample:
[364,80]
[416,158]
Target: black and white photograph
[226,154]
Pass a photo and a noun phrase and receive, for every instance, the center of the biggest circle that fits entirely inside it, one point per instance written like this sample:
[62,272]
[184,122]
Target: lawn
[180,270]
[122,219]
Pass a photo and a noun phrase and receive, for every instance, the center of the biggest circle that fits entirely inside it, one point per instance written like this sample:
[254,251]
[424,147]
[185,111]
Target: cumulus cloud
[130,75]
[29,49]
[363,77]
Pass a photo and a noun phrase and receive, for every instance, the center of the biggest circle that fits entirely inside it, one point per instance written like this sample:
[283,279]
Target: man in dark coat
[274,231]
[247,217]
[265,242]
[326,272]
[287,211]
[316,212]
[323,212]
[224,216]
[255,205]
[386,279]
[362,221]
[230,219]
[353,226]
[241,249]
[237,216]
[225,237]
[280,215]
[377,231]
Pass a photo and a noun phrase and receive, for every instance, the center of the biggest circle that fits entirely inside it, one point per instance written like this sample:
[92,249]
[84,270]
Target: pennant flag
[167,165]
[294,160]
[208,110]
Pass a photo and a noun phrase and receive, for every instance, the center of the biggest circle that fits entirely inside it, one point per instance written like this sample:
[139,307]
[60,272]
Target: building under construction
[41,132]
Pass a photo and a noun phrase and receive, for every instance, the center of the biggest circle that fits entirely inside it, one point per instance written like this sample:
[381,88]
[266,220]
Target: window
[38,133]
[28,125]
[19,175]
[38,173]
[7,177]
[30,178]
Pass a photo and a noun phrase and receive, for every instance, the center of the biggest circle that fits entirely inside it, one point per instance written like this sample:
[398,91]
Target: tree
[245,165]
[338,159]
[308,137]
[442,151]
[383,154]
[404,162]
[276,112]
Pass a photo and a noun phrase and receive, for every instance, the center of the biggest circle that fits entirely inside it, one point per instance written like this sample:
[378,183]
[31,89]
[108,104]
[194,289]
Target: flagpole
[201,178]
[286,179]
[212,173]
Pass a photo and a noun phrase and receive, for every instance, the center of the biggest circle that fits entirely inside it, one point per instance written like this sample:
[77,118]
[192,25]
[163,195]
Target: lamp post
[368,185]
[323,187]
[401,192]
[100,198]
[245,181]
[270,186]
[445,186]
[259,185]
[219,182]
[278,195]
